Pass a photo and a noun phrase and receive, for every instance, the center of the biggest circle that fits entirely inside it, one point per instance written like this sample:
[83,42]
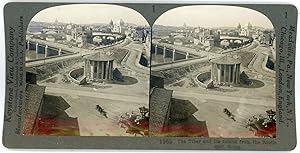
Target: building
[266,38]
[139,34]
[50,38]
[111,23]
[34,99]
[226,70]
[208,38]
[239,27]
[173,117]
[81,39]
[196,41]
[160,99]
[99,67]
[247,31]
[119,29]
[178,42]
[197,30]
[209,42]
[216,38]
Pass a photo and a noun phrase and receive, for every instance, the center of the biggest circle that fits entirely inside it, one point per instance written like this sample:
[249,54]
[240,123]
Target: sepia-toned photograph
[213,73]
[149,75]
[87,72]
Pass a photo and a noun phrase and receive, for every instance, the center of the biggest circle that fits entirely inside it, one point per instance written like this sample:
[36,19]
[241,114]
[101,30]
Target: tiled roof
[159,108]
[181,109]
[33,100]
[100,57]
[227,60]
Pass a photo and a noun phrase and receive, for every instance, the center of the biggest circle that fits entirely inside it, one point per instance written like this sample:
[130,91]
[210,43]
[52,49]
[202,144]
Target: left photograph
[87,72]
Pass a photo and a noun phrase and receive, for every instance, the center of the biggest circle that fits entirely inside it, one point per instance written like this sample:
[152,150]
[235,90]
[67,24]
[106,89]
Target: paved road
[134,55]
[177,64]
[224,98]
[186,49]
[257,64]
[51,60]
[76,93]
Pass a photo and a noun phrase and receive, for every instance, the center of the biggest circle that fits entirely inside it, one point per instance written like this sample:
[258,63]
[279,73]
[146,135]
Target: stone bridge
[47,48]
[106,35]
[170,52]
[231,39]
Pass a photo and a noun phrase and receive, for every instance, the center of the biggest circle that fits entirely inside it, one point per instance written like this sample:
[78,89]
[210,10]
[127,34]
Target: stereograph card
[150,76]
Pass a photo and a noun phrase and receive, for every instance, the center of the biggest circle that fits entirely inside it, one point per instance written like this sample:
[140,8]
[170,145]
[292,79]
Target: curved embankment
[176,74]
[203,79]
[47,70]
[76,76]
[138,64]
[265,62]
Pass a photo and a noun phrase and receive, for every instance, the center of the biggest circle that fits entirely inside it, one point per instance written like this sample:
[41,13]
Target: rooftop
[107,56]
[159,107]
[227,60]
[33,100]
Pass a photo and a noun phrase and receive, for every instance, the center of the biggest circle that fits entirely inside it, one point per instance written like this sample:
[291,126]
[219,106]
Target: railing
[70,53]
[49,57]
[176,61]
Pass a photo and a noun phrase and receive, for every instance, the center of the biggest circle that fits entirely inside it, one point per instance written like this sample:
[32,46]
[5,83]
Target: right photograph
[213,73]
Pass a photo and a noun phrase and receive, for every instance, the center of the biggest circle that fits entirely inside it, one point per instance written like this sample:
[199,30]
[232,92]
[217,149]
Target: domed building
[226,70]
[111,23]
[99,67]
[248,26]
[239,26]
[121,22]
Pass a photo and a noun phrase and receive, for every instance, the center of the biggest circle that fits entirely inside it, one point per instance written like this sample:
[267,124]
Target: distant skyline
[212,16]
[89,14]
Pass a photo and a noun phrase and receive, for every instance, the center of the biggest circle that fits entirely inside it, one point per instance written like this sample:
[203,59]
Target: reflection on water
[158,59]
[32,55]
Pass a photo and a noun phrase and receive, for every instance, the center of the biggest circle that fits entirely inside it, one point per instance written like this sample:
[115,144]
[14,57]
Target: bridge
[65,54]
[103,35]
[173,52]
[180,56]
[170,53]
[49,48]
[180,63]
[232,39]
[52,51]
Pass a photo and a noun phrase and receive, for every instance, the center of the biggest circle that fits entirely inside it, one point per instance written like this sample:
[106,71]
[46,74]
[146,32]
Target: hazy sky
[90,13]
[213,16]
